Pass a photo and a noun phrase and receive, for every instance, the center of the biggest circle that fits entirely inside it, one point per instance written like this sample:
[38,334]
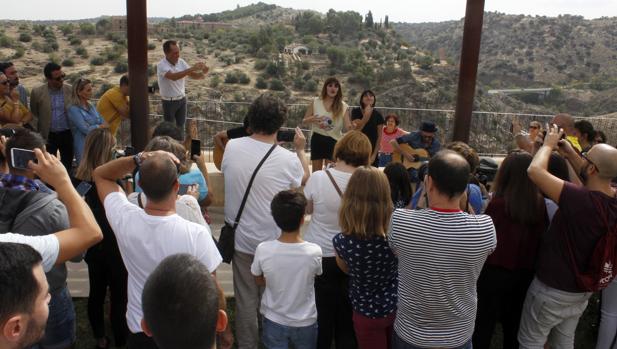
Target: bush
[244,79]
[68,63]
[75,41]
[151,69]
[81,51]
[19,52]
[25,37]
[215,81]
[261,64]
[231,78]
[277,85]
[151,46]
[261,83]
[97,61]
[87,28]
[5,41]
[121,67]
[310,86]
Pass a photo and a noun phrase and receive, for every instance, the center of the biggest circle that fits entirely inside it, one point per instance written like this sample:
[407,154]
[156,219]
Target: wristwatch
[137,159]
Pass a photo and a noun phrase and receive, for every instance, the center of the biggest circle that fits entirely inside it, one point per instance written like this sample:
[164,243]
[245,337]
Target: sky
[411,11]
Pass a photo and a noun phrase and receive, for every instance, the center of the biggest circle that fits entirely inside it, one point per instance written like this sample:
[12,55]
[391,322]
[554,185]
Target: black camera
[7,132]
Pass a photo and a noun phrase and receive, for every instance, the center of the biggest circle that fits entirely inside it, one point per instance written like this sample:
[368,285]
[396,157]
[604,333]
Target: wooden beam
[137,38]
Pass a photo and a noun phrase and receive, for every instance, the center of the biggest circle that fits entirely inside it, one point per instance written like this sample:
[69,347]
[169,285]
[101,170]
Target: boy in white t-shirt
[287,268]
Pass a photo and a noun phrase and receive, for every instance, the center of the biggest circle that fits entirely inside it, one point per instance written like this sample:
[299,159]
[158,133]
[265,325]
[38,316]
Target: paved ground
[78,272]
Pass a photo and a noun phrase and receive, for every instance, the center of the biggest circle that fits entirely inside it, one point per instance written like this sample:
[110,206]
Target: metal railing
[491,132]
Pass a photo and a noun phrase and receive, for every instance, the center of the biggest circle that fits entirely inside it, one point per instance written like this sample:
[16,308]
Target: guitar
[217,154]
[422,154]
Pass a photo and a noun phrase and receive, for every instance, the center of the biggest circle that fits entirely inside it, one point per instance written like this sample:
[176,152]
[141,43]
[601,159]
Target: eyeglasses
[60,78]
[584,156]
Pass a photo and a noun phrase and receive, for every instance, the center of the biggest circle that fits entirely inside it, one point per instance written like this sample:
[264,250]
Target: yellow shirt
[108,106]
[7,107]
[574,141]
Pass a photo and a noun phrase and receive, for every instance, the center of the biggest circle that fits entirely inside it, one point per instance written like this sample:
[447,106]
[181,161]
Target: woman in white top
[328,116]
[334,312]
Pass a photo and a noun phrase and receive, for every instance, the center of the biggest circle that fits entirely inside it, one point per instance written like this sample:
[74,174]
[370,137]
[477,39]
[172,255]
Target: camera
[7,132]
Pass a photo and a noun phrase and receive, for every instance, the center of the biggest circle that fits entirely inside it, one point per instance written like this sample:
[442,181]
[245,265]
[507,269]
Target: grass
[586,332]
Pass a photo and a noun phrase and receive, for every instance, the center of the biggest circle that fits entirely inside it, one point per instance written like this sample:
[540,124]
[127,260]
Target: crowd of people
[405,247]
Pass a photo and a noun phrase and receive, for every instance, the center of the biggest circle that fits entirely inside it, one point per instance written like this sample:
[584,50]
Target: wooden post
[137,37]
[470,52]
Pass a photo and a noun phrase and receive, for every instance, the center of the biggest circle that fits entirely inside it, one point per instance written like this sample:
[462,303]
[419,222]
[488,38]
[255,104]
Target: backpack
[601,267]
[12,203]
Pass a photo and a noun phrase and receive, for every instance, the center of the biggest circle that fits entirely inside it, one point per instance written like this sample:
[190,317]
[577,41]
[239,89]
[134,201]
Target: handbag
[226,243]
[338,190]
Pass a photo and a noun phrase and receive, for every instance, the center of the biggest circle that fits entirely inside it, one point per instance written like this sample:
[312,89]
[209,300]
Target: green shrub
[68,63]
[260,64]
[19,52]
[75,41]
[97,61]
[231,78]
[261,83]
[310,86]
[244,79]
[121,67]
[87,28]
[151,69]
[215,81]
[151,46]
[81,51]
[277,85]
[25,37]
[5,41]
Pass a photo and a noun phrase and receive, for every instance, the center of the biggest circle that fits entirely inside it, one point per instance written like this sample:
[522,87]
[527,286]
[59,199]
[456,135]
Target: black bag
[226,243]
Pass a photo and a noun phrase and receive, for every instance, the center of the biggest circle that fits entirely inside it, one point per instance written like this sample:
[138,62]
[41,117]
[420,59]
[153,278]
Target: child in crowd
[363,252]
[287,268]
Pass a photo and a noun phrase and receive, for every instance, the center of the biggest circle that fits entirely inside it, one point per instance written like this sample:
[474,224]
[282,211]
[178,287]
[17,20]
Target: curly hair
[267,114]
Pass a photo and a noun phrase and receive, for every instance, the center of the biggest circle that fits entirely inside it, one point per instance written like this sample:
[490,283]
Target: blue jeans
[398,343]
[60,329]
[384,159]
[275,336]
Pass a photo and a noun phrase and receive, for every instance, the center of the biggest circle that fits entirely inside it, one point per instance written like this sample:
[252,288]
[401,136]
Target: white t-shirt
[169,88]
[145,240]
[187,207]
[289,269]
[334,127]
[281,171]
[326,201]
[47,246]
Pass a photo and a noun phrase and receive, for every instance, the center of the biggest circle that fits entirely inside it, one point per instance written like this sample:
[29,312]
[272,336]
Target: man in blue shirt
[424,138]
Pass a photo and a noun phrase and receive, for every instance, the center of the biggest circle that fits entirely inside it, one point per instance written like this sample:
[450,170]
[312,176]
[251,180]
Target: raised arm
[550,185]
[300,143]
[84,231]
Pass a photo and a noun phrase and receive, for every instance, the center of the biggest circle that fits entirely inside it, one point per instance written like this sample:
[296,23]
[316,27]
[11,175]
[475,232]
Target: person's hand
[2,144]
[49,169]
[565,148]
[200,160]
[355,123]
[146,155]
[192,128]
[226,339]
[553,135]
[299,140]
[368,111]
[14,94]
[198,66]
[193,190]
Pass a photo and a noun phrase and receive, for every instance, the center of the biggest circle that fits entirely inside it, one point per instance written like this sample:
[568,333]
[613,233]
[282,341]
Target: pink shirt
[385,146]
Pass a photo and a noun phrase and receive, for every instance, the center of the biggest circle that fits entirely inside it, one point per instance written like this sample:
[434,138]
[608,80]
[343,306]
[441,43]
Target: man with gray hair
[559,293]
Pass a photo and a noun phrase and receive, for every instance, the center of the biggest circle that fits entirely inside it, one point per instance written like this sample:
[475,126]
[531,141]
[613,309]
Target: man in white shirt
[171,72]
[145,237]
[282,170]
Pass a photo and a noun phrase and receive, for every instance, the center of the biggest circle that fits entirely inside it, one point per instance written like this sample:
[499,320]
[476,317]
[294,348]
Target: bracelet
[137,159]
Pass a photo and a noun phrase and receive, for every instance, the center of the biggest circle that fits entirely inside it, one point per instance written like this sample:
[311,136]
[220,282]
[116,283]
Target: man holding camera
[559,293]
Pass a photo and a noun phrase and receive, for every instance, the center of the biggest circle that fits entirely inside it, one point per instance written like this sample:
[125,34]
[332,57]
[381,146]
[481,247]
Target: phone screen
[20,158]
[183,189]
[286,136]
[195,147]
[83,188]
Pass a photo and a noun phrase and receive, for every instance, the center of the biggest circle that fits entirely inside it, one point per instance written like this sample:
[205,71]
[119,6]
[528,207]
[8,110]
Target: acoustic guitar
[422,154]
[217,154]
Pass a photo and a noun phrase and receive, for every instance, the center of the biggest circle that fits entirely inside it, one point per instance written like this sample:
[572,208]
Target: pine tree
[386,23]
[368,20]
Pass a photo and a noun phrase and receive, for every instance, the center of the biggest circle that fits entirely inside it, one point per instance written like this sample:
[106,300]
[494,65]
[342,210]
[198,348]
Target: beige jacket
[40,106]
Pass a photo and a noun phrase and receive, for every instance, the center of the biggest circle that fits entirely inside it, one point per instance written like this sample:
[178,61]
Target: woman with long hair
[324,191]
[370,121]
[390,131]
[83,116]
[363,252]
[519,214]
[400,184]
[105,266]
[328,116]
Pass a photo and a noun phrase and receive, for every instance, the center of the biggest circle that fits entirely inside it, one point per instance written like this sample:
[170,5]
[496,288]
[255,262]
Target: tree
[87,29]
[368,20]
[103,26]
[308,23]
[386,23]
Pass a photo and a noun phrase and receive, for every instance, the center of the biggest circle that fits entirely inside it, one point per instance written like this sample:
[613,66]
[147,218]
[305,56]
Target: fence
[491,132]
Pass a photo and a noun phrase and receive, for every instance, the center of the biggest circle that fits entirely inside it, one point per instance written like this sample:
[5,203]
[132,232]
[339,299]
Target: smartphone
[285,136]
[7,132]
[129,151]
[195,147]
[83,188]
[20,158]
[183,189]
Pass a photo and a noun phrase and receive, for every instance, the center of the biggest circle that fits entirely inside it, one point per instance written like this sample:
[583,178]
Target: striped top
[440,256]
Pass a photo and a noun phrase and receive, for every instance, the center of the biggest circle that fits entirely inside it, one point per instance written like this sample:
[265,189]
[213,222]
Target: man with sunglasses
[49,104]
[558,294]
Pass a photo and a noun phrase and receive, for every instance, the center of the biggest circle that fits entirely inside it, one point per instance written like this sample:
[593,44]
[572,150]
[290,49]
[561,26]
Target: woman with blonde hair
[83,116]
[363,252]
[328,116]
[324,191]
[105,265]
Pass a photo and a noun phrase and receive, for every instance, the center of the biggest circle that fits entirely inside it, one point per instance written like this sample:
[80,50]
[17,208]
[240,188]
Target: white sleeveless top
[330,127]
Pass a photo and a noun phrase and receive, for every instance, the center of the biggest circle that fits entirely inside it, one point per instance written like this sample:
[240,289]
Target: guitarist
[424,138]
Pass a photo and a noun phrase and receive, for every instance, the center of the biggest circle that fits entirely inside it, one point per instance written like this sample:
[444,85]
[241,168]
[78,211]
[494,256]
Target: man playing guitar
[423,146]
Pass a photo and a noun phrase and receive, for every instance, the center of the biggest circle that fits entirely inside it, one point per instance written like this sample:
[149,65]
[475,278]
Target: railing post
[137,38]
[470,52]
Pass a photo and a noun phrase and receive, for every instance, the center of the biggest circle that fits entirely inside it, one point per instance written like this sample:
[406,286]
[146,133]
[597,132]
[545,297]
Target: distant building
[118,23]
[298,49]
[200,24]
